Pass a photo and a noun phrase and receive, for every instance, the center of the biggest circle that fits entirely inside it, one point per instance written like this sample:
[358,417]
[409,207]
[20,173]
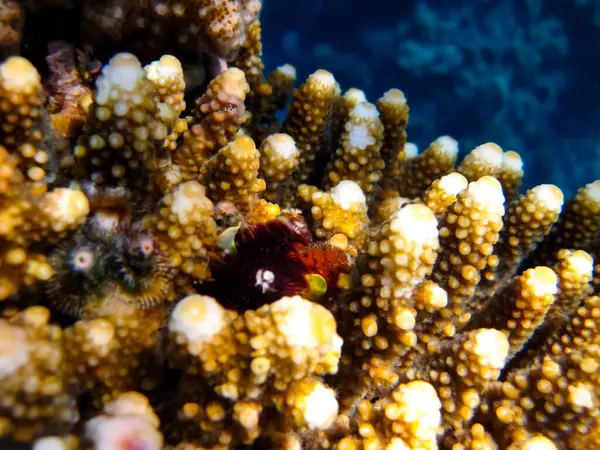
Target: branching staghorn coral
[278,159]
[36,397]
[306,123]
[394,114]
[359,158]
[167,76]
[267,94]
[287,347]
[227,285]
[125,133]
[417,173]
[232,174]
[22,116]
[32,215]
[221,112]
[341,210]
[185,228]
[101,348]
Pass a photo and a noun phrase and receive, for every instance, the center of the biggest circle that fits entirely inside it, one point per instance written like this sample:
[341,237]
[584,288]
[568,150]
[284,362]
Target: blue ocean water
[522,73]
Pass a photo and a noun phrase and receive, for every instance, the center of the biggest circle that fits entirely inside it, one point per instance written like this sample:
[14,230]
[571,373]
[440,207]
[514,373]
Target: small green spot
[317,286]
[226,240]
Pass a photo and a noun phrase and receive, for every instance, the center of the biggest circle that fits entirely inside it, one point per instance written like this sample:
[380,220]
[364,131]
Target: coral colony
[198,275]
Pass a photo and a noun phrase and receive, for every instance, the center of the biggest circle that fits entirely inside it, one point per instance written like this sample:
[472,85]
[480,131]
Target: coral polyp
[181,270]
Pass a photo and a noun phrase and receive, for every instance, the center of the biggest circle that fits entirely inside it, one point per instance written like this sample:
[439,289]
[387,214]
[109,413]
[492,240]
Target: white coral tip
[198,318]
[582,262]
[550,196]
[288,70]
[543,281]
[348,194]
[283,145]
[355,96]
[491,346]
[593,190]
[123,70]
[323,78]
[365,111]
[512,161]
[447,145]
[394,96]
[489,153]
[453,183]
[49,443]
[305,324]
[411,150]
[416,223]
[320,407]
[486,191]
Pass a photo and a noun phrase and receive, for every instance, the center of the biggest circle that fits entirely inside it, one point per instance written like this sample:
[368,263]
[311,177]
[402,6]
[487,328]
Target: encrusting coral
[187,275]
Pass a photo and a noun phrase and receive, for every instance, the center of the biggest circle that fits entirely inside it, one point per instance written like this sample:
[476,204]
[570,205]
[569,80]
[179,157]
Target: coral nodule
[187,274]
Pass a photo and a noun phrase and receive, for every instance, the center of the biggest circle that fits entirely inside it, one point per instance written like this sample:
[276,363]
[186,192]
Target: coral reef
[187,275]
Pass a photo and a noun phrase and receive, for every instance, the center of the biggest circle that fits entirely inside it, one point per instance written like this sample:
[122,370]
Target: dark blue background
[522,73]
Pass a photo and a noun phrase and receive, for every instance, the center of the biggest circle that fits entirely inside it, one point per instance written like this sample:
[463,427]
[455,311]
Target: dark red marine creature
[273,260]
